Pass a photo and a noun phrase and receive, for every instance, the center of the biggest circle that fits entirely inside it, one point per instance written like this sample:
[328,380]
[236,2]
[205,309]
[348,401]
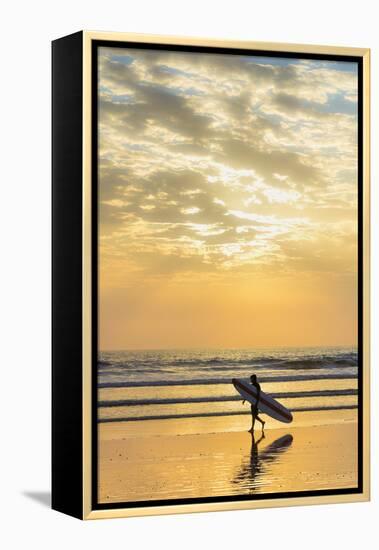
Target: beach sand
[159,460]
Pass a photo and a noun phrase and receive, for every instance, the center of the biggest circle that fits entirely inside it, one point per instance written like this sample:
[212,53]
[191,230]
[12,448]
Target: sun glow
[226,216]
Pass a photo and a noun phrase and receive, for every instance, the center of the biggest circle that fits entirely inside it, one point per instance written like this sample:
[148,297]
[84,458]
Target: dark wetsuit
[254,408]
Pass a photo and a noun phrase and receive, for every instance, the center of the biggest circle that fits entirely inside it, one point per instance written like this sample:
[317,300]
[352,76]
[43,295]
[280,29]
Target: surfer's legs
[262,422]
[253,416]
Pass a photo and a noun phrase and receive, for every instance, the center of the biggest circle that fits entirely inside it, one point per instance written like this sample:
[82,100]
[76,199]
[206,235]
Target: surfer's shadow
[257,463]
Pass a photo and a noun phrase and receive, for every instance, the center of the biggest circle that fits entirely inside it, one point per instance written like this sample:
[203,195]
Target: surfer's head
[253,378]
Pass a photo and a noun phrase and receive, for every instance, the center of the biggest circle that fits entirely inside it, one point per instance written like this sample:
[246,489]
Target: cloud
[213,163]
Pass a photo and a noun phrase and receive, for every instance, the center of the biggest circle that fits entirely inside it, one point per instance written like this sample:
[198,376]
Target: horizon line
[252,348]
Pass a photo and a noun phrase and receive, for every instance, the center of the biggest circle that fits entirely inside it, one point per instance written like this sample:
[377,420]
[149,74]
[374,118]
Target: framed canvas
[210,275]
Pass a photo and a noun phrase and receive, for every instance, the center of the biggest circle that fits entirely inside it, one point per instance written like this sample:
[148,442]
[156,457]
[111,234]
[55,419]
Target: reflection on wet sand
[257,463]
[135,467]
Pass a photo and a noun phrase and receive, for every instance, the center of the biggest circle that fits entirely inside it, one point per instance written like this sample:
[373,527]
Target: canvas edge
[66,333]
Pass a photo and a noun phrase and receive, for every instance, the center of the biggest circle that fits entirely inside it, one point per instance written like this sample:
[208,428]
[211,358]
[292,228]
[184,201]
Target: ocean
[171,384]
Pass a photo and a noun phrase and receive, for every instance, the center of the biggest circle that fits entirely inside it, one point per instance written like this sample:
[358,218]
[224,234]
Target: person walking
[254,408]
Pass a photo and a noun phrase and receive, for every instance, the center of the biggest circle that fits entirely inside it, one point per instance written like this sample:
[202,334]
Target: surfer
[254,408]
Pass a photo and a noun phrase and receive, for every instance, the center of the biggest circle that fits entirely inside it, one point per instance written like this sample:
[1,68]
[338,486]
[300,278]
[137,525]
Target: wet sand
[157,460]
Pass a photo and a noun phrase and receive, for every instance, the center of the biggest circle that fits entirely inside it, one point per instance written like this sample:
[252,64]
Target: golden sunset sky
[227,201]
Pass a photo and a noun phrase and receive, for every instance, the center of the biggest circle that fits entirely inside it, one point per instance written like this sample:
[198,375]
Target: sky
[227,201]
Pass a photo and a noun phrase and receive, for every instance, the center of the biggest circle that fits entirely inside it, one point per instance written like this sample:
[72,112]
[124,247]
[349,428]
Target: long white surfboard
[267,405]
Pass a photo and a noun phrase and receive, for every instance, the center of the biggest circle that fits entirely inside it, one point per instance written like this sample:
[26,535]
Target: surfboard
[267,404]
